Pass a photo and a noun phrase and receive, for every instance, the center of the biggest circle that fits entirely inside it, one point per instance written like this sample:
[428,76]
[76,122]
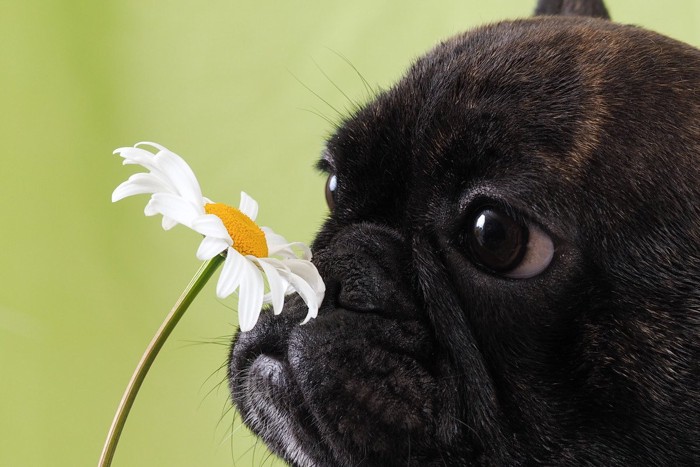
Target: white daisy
[251,251]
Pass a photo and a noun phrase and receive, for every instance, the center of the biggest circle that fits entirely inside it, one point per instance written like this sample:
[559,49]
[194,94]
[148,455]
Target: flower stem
[188,295]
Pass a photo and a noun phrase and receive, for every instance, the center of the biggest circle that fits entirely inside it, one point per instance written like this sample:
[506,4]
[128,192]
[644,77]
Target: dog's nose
[366,268]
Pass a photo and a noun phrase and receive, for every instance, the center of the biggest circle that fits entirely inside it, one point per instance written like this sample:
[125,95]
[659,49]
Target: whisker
[216,386]
[251,448]
[221,340]
[255,449]
[224,412]
[319,114]
[368,88]
[229,435]
[267,458]
[355,105]
[315,94]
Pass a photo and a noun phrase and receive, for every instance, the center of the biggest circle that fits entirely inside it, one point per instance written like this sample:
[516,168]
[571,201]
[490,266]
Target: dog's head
[511,260]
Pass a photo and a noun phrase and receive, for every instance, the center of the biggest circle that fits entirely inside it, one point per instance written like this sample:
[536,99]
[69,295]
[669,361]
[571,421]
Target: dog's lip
[264,394]
[261,371]
[270,368]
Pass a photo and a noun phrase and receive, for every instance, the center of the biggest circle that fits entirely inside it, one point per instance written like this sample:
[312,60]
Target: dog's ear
[594,8]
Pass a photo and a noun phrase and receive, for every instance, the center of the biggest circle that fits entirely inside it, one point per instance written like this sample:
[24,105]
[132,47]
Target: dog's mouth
[316,396]
[265,391]
[271,405]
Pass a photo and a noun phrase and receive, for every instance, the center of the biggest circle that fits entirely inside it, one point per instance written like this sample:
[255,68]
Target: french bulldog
[512,262]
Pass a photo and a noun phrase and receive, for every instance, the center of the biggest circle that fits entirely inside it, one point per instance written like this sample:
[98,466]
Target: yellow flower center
[248,238]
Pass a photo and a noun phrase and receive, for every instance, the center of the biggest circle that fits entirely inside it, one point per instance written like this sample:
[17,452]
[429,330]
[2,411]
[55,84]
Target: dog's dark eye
[331,187]
[507,246]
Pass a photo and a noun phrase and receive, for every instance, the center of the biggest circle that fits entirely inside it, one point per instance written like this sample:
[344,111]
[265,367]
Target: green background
[229,85]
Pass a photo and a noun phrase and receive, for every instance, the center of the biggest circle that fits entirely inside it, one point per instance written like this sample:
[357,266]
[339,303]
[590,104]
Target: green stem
[188,295]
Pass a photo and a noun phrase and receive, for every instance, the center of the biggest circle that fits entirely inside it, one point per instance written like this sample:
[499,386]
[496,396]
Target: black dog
[512,262]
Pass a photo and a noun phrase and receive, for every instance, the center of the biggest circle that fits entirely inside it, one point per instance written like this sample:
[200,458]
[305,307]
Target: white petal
[141,157]
[305,280]
[302,250]
[283,253]
[211,226]
[180,175]
[272,238]
[290,251]
[308,272]
[306,292]
[278,285]
[277,264]
[231,273]
[136,156]
[145,159]
[174,207]
[277,245]
[250,297]
[210,247]
[168,223]
[168,166]
[139,184]
[157,146]
[248,206]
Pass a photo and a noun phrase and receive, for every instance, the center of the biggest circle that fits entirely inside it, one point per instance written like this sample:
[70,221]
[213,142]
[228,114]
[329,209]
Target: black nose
[366,267]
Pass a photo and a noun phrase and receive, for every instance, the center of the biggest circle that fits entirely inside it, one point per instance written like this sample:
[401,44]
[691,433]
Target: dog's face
[511,261]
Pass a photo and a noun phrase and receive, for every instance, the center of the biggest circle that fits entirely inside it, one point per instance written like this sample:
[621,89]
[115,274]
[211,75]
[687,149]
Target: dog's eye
[507,246]
[331,186]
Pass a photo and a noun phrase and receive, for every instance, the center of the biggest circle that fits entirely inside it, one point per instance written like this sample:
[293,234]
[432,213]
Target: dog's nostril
[273,355]
[352,294]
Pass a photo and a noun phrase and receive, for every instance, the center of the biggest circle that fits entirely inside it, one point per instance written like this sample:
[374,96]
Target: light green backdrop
[224,83]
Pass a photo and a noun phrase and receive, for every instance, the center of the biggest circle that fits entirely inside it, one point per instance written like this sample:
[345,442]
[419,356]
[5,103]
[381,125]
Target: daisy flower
[254,255]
